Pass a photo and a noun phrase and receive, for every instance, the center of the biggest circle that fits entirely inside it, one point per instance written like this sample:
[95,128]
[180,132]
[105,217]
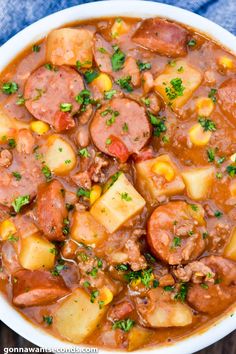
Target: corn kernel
[232,188]
[95,193]
[204,106]
[226,62]
[39,127]
[103,83]
[106,295]
[119,27]
[164,169]
[7,228]
[135,282]
[233,157]
[198,136]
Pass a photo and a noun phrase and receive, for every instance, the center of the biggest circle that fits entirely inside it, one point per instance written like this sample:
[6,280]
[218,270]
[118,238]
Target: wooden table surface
[8,338]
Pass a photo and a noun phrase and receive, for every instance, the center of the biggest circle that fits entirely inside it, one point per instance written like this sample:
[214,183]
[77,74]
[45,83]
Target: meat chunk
[196,271]
[96,170]
[227,98]
[82,180]
[51,210]
[175,232]
[102,51]
[130,69]
[35,288]
[214,297]
[47,89]
[25,141]
[120,310]
[114,132]
[5,158]
[135,259]
[162,36]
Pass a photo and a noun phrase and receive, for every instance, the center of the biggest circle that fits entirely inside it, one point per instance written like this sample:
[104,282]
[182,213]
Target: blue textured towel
[17,14]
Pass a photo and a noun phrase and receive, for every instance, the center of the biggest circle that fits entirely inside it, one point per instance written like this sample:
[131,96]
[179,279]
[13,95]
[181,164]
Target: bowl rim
[36,31]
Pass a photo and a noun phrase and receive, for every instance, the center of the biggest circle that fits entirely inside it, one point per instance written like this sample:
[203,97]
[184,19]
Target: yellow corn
[164,169]
[118,28]
[39,127]
[198,136]
[204,106]
[7,228]
[135,282]
[105,295]
[226,62]
[233,157]
[103,83]
[95,193]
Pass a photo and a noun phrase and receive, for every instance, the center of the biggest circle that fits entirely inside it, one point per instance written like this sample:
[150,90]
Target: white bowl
[143,9]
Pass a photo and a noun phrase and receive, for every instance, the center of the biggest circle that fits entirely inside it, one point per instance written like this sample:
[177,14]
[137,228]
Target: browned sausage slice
[227,98]
[120,128]
[175,232]
[45,90]
[35,288]
[216,294]
[120,310]
[51,210]
[162,36]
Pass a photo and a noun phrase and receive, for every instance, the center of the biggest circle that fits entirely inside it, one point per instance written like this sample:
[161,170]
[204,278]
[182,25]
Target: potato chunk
[118,204]
[86,229]
[66,46]
[177,83]
[77,317]
[138,337]
[60,156]
[149,183]
[198,182]
[230,249]
[36,253]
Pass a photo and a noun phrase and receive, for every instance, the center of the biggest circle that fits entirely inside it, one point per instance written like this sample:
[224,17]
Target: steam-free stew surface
[118,182]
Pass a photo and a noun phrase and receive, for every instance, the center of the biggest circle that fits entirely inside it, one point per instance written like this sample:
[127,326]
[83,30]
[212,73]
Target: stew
[118,182]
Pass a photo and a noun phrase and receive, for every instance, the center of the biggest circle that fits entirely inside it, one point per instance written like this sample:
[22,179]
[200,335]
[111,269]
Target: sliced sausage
[102,51]
[35,288]
[120,128]
[25,141]
[51,210]
[175,232]
[45,90]
[120,310]
[31,176]
[162,36]
[215,296]
[5,158]
[227,98]
[4,212]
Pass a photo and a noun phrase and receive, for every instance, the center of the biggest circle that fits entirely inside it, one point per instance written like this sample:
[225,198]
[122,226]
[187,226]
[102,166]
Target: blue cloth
[17,14]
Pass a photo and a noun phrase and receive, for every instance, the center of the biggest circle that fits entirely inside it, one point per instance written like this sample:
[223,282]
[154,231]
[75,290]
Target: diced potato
[137,337]
[95,193]
[60,156]
[39,127]
[204,106]
[190,80]
[77,317]
[118,204]
[102,83]
[198,136]
[198,182]
[105,295]
[226,62]
[171,314]
[230,249]
[147,178]
[232,188]
[7,228]
[119,27]
[66,46]
[9,126]
[37,253]
[86,229]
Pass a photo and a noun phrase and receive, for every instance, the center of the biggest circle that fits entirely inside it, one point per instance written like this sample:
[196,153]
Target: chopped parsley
[80,65]
[182,294]
[81,192]
[125,196]
[11,143]
[108,141]
[219,175]
[117,59]
[231,170]
[84,153]
[20,101]
[19,202]
[205,235]
[93,272]
[109,94]
[66,227]
[17,175]
[36,48]
[48,320]
[90,75]
[175,89]
[86,284]
[13,238]
[113,114]
[124,325]
[48,66]
[58,268]
[143,66]
[176,242]
[66,107]
[94,295]
[125,127]
[144,275]
[212,95]
[84,99]
[125,83]
[122,267]
[169,288]
[146,101]
[211,155]
[204,286]
[207,124]
[194,207]
[10,87]
[158,123]
[47,172]
[218,214]
[102,50]
[113,179]
[192,42]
